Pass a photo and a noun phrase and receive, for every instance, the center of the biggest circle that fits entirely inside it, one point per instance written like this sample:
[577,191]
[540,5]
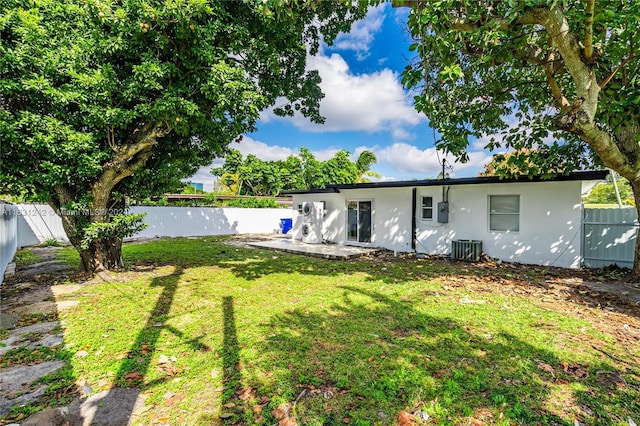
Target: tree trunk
[103,254]
[635,272]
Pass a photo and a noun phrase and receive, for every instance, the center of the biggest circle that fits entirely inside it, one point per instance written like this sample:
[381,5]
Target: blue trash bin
[286,225]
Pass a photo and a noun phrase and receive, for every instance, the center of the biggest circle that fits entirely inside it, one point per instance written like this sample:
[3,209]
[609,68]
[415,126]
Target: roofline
[581,175]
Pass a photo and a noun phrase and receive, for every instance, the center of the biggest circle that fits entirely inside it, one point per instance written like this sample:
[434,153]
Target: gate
[609,237]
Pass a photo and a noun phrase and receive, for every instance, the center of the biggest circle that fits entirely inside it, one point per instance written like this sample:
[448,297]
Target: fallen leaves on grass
[174,399]
[405,418]
[134,375]
[281,412]
[246,393]
[547,368]
[576,370]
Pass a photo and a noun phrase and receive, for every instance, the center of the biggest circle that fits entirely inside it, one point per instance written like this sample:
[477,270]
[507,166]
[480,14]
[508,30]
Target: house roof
[583,175]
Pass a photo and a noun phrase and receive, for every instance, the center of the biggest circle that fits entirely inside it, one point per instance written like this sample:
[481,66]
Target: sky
[365,107]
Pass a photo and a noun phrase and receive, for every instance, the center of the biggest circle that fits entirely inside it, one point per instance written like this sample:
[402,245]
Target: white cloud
[276,152]
[362,33]
[405,159]
[204,176]
[261,150]
[366,102]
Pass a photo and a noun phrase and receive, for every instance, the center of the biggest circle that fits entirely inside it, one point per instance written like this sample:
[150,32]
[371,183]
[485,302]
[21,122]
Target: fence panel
[38,223]
[8,235]
[609,237]
[199,221]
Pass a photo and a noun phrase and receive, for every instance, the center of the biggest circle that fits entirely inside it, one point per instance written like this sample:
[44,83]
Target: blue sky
[365,107]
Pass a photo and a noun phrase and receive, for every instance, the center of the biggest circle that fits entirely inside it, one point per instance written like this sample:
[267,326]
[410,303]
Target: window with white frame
[427,208]
[504,213]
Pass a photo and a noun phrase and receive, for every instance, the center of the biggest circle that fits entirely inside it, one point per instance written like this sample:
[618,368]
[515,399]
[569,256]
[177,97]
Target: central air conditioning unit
[312,233]
[313,211]
[469,250]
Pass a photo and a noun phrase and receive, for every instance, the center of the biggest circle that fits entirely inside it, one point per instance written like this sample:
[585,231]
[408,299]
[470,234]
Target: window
[427,208]
[504,213]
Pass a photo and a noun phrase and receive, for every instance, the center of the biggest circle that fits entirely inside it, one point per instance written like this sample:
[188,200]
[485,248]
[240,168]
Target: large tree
[103,99]
[563,75]
[253,176]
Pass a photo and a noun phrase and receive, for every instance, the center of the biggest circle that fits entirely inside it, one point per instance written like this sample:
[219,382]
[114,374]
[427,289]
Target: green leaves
[488,71]
[253,176]
[121,226]
[104,99]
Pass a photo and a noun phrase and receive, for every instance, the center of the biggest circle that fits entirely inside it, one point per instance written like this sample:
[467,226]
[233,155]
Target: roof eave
[575,176]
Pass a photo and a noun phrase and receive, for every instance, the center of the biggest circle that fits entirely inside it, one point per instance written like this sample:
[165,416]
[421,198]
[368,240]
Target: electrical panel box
[443,212]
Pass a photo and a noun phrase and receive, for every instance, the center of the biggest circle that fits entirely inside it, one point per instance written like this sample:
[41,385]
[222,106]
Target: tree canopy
[105,99]
[253,176]
[562,78]
[543,161]
[605,193]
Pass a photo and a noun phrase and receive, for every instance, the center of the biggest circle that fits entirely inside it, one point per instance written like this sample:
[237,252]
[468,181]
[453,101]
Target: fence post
[8,235]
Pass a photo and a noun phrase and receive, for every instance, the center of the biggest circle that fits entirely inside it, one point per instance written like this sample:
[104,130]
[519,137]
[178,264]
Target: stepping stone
[7,320]
[24,399]
[19,378]
[16,338]
[10,271]
[61,289]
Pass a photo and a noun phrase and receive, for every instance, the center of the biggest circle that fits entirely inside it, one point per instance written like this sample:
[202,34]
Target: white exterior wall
[390,216]
[550,220]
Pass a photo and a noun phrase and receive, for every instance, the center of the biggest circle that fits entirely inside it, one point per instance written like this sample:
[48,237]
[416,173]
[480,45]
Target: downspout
[413,218]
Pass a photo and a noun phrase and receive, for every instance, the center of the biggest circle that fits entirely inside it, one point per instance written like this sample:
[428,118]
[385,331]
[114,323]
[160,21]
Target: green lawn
[216,334]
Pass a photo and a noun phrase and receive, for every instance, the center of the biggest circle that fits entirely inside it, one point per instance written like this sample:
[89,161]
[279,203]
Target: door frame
[346,228]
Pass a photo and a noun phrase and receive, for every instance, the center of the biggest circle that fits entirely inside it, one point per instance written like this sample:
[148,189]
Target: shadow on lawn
[121,402]
[230,352]
[253,264]
[379,356]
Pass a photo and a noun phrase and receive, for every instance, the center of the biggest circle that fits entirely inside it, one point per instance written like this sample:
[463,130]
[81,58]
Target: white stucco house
[522,220]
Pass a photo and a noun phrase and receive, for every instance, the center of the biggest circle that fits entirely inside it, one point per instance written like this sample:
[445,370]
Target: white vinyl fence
[37,223]
[199,221]
[8,235]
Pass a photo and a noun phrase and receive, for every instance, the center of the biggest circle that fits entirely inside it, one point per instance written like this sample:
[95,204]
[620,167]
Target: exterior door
[359,221]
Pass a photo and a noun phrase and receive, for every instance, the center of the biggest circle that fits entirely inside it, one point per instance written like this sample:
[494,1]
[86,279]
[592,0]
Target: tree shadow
[230,352]
[371,356]
[34,370]
[117,405]
[253,264]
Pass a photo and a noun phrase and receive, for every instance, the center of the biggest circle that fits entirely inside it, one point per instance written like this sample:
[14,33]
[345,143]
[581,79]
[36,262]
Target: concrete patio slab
[326,251]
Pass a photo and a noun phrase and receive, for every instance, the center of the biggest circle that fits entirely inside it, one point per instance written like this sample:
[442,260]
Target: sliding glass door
[359,221]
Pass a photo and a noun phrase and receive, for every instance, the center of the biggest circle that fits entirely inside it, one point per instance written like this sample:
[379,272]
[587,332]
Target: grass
[216,334]
[25,257]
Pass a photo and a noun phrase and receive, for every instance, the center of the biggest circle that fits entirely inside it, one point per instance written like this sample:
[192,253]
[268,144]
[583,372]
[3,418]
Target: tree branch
[588,31]
[467,26]
[127,159]
[615,71]
[563,103]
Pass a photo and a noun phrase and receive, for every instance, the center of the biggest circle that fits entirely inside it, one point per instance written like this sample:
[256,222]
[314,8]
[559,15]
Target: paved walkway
[326,251]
